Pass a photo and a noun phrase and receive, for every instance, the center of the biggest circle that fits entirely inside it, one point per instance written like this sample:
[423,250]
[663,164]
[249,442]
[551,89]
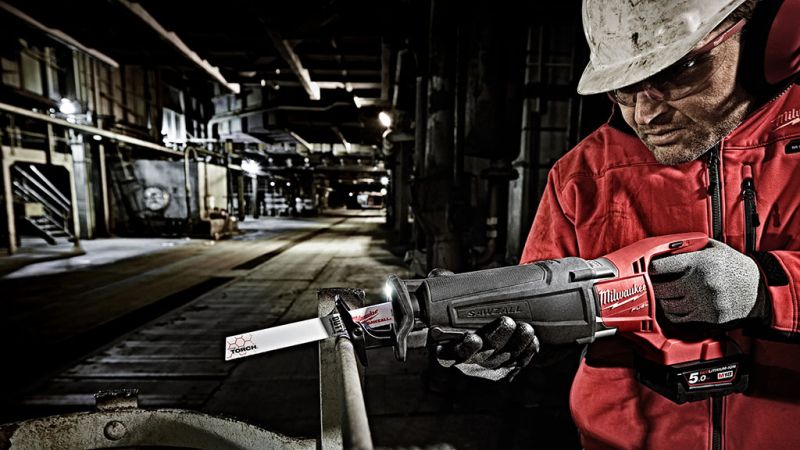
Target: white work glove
[716,285]
[498,350]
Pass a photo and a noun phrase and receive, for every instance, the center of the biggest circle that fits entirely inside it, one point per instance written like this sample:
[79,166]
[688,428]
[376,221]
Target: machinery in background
[172,197]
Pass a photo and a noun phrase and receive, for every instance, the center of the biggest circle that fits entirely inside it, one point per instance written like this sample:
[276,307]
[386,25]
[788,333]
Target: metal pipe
[420,130]
[240,197]
[187,184]
[8,199]
[101,157]
[355,426]
[459,106]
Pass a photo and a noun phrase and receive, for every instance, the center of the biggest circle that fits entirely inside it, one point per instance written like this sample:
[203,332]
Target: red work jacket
[609,192]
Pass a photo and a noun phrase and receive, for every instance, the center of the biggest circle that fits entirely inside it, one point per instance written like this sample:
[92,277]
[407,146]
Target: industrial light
[97,137]
[357,101]
[384,191]
[385,118]
[348,87]
[277,71]
[350,194]
[385,181]
[68,106]
[263,82]
[251,167]
[288,183]
[272,183]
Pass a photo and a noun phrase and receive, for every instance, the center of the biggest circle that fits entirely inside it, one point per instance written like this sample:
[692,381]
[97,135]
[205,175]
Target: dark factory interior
[176,174]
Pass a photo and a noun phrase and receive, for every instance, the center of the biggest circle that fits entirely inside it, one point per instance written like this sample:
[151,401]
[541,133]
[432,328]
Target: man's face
[678,131]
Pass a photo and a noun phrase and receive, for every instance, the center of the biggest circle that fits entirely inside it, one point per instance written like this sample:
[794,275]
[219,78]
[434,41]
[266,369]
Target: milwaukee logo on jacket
[609,192]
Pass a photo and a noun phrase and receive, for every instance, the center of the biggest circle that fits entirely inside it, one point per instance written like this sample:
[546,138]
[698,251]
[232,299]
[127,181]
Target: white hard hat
[631,40]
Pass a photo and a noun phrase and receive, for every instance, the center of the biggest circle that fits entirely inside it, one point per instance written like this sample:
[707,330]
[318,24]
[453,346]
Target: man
[688,148]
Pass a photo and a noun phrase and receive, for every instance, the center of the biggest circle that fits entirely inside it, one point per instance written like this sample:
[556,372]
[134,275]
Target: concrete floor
[153,315]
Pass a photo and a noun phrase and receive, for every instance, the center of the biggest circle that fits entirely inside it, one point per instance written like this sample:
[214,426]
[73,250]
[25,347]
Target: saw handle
[639,323]
[635,258]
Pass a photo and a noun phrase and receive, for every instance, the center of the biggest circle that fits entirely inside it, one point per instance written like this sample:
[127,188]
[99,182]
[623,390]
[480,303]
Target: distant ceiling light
[385,118]
[251,167]
[384,191]
[272,183]
[350,194]
[68,106]
[97,137]
[385,181]
[277,71]
[263,82]
[276,86]
[348,87]
[288,183]
[357,101]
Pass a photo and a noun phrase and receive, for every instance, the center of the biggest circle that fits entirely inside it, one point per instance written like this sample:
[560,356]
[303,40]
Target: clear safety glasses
[684,78]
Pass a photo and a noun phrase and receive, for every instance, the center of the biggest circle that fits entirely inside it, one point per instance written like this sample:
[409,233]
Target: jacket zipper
[714,188]
[751,220]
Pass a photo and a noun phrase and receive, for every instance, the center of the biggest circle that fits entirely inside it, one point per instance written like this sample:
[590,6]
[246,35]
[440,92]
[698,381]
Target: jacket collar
[776,119]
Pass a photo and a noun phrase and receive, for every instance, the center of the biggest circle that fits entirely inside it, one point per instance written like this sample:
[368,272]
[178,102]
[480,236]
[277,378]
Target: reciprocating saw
[568,301]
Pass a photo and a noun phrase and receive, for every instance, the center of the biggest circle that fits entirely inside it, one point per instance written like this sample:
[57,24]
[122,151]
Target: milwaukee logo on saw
[609,296]
[622,298]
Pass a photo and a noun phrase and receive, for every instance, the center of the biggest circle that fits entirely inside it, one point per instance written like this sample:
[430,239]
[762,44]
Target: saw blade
[303,332]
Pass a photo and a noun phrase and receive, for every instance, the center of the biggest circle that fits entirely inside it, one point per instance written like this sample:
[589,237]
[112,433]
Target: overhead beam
[293,60]
[176,42]
[58,35]
[341,137]
[342,85]
[301,141]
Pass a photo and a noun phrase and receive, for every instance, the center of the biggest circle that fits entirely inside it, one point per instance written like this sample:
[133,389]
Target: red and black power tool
[573,300]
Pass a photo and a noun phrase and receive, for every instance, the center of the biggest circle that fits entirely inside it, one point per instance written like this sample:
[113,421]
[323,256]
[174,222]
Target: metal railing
[32,186]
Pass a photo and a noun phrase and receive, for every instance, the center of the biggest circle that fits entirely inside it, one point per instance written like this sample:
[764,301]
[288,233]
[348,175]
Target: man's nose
[647,108]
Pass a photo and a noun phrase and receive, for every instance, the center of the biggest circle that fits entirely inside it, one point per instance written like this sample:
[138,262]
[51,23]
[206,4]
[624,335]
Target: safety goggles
[684,78]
